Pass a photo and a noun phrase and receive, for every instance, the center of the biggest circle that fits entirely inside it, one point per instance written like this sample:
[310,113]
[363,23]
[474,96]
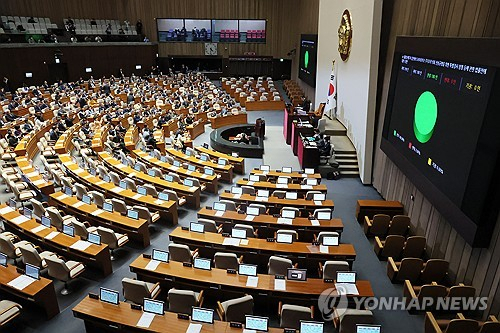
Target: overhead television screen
[436,130]
[307,61]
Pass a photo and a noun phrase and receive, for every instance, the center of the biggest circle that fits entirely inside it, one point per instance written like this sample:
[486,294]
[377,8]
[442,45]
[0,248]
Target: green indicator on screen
[426,112]
[306,59]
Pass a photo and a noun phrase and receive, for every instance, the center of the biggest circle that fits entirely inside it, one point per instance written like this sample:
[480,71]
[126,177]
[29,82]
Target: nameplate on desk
[328,280]
[235,324]
[187,264]
[93,296]
[185,228]
[231,271]
[183,316]
[270,240]
[252,281]
[226,234]
[146,256]
[290,330]
[315,222]
[135,307]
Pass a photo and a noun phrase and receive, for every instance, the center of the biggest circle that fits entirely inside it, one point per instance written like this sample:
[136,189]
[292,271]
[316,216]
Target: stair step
[345,161]
[346,156]
[349,174]
[349,167]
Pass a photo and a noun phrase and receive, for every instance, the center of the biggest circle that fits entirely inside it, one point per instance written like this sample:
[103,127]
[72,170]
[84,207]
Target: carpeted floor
[344,192]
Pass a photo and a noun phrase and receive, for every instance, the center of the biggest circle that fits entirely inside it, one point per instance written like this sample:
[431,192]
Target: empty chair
[157,172]
[378,226]
[102,171]
[310,194]
[113,239]
[64,271]
[245,189]
[31,256]
[130,184]
[172,196]
[414,247]
[391,247]
[417,293]
[151,190]
[408,269]
[83,229]
[279,194]
[461,291]
[278,265]
[236,309]
[262,208]
[457,325]
[346,323]
[321,126]
[175,177]
[230,205]
[181,252]
[8,311]
[11,249]
[57,220]
[98,198]
[331,267]
[322,210]
[190,151]
[492,326]
[144,213]
[80,191]
[120,206]
[400,225]
[182,301]
[197,183]
[251,233]
[114,178]
[22,195]
[322,234]
[135,290]
[209,225]
[291,315]
[38,209]
[226,260]
[435,270]
[293,233]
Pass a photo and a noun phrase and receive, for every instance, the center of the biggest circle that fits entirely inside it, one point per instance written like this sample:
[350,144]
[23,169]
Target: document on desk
[219,213]
[204,175]
[244,242]
[315,222]
[21,282]
[250,183]
[173,167]
[52,235]
[281,186]
[38,229]
[62,197]
[236,196]
[100,182]
[346,289]
[32,174]
[306,187]
[231,241]
[280,284]
[284,220]
[323,249]
[194,328]
[189,172]
[252,281]
[158,201]
[39,182]
[80,245]
[78,204]
[249,217]
[6,210]
[117,189]
[20,219]
[145,320]
[193,188]
[265,199]
[137,196]
[77,171]
[249,331]
[318,203]
[152,265]
[87,176]
[97,212]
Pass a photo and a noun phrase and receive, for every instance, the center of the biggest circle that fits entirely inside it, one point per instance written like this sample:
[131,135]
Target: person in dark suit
[138,27]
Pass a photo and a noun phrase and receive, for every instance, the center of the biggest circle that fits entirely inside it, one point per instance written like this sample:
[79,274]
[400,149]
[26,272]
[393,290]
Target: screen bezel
[348,272]
[153,301]
[37,270]
[157,251]
[101,289]
[202,309]
[249,265]
[255,329]
[204,259]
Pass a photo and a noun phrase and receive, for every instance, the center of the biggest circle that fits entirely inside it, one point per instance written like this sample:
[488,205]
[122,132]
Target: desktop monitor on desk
[260,324]
[197,227]
[46,221]
[265,168]
[286,169]
[284,238]
[94,238]
[153,306]
[247,270]
[141,190]
[202,315]
[362,328]
[69,230]
[346,277]
[236,190]
[3,259]
[288,213]
[219,206]
[133,214]
[109,296]
[160,255]
[263,193]
[32,271]
[291,195]
[202,263]
[311,327]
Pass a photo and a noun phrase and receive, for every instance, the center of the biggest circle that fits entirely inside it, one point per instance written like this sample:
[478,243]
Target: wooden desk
[265,105]
[167,209]
[37,180]
[260,250]
[40,292]
[308,154]
[216,122]
[293,175]
[192,193]
[302,189]
[97,256]
[372,207]
[225,171]
[211,182]
[237,162]
[100,316]
[65,142]
[27,145]
[275,204]
[135,229]
[175,274]
[196,130]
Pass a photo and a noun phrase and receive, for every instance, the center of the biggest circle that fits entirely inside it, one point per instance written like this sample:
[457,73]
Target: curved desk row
[230,119]
[301,189]
[237,162]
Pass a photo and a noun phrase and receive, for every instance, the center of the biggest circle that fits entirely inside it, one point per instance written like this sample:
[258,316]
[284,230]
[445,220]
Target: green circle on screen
[426,112]
[306,59]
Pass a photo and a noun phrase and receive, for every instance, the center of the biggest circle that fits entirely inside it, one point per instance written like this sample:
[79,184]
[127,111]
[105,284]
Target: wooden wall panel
[454,18]
[281,15]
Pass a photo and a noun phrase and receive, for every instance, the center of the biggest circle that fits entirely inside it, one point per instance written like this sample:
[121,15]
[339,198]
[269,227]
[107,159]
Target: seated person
[242,138]
[324,146]
[13,140]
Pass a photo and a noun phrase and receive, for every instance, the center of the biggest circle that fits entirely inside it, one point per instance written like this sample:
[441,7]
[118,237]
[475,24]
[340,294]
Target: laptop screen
[282,180]
[291,195]
[288,213]
[92,171]
[330,240]
[108,207]
[222,161]
[319,196]
[284,238]
[106,178]
[265,168]
[163,196]
[296,274]
[169,178]
[86,199]
[153,306]
[311,327]
[309,171]
[191,167]
[346,277]
[260,324]
[202,263]
[202,315]
[248,270]
[46,221]
[177,163]
[12,203]
[160,255]
[286,169]
[252,211]
[361,328]
[311,181]
[197,227]
[69,230]
[3,259]
[123,184]
[68,191]
[151,173]
[141,190]
[133,214]
[208,171]
[108,296]
[27,213]
[163,158]
[239,233]
[263,193]
[219,206]
[188,182]
[94,238]
[236,190]
[253,178]
[324,215]
[137,167]
[204,158]
[33,271]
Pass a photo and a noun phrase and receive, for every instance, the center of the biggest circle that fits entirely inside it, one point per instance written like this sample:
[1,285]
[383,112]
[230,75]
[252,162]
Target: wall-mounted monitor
[307,60]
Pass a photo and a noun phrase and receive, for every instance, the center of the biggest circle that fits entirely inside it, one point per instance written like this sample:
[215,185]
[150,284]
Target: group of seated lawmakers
[250,90]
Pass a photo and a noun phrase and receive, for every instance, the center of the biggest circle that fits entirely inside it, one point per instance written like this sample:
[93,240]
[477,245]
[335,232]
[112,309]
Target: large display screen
[436,126]
[307,61]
